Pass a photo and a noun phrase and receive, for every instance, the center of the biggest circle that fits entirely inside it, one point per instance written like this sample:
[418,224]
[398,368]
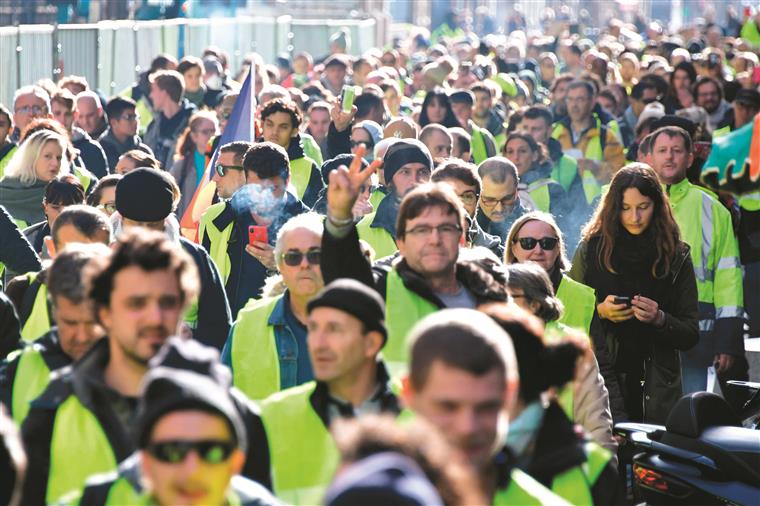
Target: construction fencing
[110,54]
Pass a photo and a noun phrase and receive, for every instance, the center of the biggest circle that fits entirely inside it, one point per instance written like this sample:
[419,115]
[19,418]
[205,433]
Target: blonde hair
[22,164]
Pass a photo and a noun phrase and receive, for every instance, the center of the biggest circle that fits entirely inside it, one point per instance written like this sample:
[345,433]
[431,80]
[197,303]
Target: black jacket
[35,234]
[342,258]
[114,149]
[214,316]
[91,152]
[162,133]
[15,251]
[10,331]
[338,142]
[558,447]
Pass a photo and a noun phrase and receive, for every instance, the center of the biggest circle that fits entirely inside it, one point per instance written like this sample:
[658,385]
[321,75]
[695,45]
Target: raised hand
[345,185]
[342,120]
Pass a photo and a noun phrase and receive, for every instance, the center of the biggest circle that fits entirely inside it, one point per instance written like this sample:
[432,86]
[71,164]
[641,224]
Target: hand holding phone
[257,233]
[347,97]
[622,300]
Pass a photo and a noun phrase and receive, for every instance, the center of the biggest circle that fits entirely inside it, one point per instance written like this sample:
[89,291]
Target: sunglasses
[294,258]
[367,144]
[109,207]
[222,169]
[174,452]
[546,243]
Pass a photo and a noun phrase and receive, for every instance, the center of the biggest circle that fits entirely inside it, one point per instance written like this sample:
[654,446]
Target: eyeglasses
[34,109]
[109,207]
[368,144]
[130,117]
[221,169]
[505,201]
[469,197]
[423,231]
[175,452]
[205,131]
[546,243]
[294,258]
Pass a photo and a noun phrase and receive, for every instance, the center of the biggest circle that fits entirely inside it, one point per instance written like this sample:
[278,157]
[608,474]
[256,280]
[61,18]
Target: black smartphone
[622,300]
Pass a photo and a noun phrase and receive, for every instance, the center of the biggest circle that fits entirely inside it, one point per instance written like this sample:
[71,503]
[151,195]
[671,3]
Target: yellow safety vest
[580,303]
[38,322]
[575,484]
[32,377]
[255,363]
[219,239]
[300,174]
[377,237]
[78,449]
[525,491]
[6,159]
[403,309]
[302,451]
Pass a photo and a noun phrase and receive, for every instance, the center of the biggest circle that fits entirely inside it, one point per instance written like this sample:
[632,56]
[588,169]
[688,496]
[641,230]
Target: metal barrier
[110,54]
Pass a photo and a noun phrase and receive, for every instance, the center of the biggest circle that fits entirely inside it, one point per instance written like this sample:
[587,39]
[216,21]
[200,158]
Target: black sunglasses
[546,243]
[221,169]
[294,258]
[174,452]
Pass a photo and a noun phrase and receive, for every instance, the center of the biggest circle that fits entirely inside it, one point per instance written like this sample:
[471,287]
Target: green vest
[575,484]
[32,377]
[78,449]
[84,176]
[302,452]
[525,491]
[218,239]
[6,159]
[478,145]
[120,492]
[538,194]
[554,332]
[311,148]
[564,171]
[375,198]
[748,201]
[377,237]
[300,174]
[403,309]
[580,303]
[720,132]
[255,363]
[706,227]
[750,33]
[38,322]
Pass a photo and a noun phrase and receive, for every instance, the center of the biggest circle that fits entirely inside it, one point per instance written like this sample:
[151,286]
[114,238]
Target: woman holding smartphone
[646,291]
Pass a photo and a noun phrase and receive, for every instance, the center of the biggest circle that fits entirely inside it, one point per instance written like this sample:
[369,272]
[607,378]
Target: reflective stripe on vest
[32,376]
[575,484]
[78,449]
[525,491]
[302,451]
[403,308]
[593,147]
[721,132]
[478,145]
[300,174]
[218,240]
[38,321]
[255,363]
[539,194]
[579,301]
[750,201]
[377,237]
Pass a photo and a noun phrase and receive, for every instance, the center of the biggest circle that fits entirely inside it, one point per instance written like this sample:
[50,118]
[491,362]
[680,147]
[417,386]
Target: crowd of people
[420,244]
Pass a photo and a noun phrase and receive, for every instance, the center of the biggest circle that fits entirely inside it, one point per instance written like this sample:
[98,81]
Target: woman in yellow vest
[585,400]
[266,349]
[543,439]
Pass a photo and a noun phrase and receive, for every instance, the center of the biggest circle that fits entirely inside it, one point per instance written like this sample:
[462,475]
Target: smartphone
[257,233]
[622,300]
[756,75]
[347,98]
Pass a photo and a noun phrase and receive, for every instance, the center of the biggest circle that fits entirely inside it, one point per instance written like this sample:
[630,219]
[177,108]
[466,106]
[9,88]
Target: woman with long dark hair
[436,108]
[646,292]
[190,161]
[679,94]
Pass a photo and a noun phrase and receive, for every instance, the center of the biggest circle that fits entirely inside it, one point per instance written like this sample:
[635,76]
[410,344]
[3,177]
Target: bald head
[437,139]
[402,128]
[88,114]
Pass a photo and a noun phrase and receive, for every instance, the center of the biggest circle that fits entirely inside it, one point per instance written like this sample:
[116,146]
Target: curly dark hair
[282,105]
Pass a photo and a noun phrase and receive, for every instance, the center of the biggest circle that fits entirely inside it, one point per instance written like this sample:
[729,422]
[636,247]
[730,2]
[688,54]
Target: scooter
[702,455]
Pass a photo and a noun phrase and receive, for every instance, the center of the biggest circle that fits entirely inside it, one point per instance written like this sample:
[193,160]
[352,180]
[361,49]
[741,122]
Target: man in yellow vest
[26,373]
[80,424]
[428,274]
[706,227]
[407,164]
[482,142]
[266,349]
[252,178]
[463,380]
[280,122]
[346,333]
[583,136]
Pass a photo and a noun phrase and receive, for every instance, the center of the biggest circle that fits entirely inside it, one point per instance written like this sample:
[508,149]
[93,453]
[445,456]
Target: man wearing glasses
[252,181]
[429,273]
[29,102]
[266,350]
[500,204]
[121,135]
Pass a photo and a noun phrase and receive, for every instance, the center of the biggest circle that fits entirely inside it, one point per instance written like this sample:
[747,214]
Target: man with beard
[708,94]
[407,164]
[499,203]
[81,424]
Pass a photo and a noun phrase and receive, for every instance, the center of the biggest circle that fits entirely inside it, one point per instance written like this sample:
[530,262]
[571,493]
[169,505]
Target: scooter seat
[693,413]
[741,442]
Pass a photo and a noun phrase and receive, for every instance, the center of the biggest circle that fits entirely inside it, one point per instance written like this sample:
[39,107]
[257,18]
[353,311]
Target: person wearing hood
[545,442]
[147,198]
[121,135]
[65,108]
[406,165]
[172,113]
[281,121]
